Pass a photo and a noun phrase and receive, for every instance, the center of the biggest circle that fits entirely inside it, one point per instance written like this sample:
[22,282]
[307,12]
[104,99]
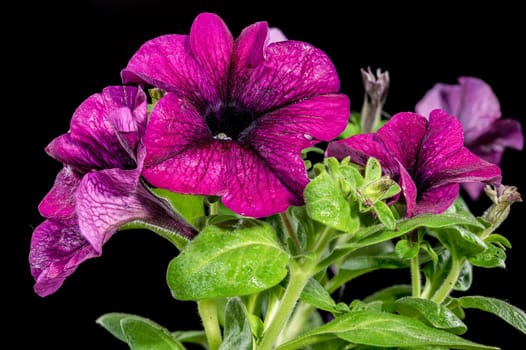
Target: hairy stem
[208,312]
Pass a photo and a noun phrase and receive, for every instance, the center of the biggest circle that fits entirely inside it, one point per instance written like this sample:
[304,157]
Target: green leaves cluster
[270,283]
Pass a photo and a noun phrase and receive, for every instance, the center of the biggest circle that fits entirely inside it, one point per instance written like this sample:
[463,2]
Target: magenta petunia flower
[98,190]
[475,104]
[237,113]
[427,158]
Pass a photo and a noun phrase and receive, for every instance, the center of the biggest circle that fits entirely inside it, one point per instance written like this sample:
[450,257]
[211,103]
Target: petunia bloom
[236,113]
[99,188]
[475,104]
[426,156]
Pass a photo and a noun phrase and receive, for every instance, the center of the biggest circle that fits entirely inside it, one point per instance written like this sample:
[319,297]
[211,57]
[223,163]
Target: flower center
[228,123]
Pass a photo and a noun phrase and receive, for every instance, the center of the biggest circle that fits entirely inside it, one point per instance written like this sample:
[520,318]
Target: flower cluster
[208,142]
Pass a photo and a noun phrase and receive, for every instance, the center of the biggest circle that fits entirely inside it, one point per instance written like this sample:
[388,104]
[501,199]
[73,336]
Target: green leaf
[237,258]
[377,234]
[507,312]
[237,328]
[431,313]
[191,207]
[491,257]
[498,239]
[385,215]
[464,242]
[390,294]
[112,323]
[326,204]
[465,277]
[143,334]
[315,295]
[373,170]
[138,332]
[406,250]
[382,329]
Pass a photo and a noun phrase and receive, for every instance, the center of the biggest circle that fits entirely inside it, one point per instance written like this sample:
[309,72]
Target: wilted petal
[291,71]
[59,202]
[57,249]
[108,199]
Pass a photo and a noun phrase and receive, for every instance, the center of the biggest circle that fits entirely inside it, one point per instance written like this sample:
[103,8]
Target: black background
[59,54]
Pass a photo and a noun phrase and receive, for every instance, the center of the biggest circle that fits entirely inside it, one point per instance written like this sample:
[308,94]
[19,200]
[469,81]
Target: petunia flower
[475,104]
[99,188]
[236,113]
[427,158]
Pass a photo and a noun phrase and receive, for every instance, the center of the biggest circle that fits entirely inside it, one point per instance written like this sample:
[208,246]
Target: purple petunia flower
[237,113]
[426,157]
[475,104]
[98,190]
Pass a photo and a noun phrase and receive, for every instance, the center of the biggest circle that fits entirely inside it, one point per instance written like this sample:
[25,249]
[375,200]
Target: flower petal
[224,168]
[251,44]
[108,199]
[472,101]
[59,202]
[174,126]
[436,200]
[280,136]
[503,133]
[291,71]
[362,146]
[195,66]
[479,107]
[409,190]
[104,130]
[402,135]
[57,249]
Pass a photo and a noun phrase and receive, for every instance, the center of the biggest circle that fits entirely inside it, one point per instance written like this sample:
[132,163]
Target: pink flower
[475,104]
[426,157]
[237,113]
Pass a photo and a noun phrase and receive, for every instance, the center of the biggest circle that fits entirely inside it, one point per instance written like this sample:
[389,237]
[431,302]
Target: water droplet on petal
[308,137]
[222,136]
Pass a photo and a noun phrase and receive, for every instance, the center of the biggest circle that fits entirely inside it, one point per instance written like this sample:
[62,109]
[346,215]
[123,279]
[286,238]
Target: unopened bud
[376,88]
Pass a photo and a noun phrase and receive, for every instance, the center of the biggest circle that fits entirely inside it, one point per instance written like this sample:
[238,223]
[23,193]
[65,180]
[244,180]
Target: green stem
[297,281]
[322,242]
[447,285]
[416,282]
[208,312]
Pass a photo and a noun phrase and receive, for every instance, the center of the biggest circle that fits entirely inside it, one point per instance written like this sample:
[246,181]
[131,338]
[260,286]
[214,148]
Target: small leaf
[507,312]
[465,277]
[143,334]
[315,295]
[138,332]
[194,337]
[464,242]
[431,313]
[406,250]
[491,257]
[373,170]
[385,215]
[237,327]
[326,204]
[499,239]
[112,323]
[237,258]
